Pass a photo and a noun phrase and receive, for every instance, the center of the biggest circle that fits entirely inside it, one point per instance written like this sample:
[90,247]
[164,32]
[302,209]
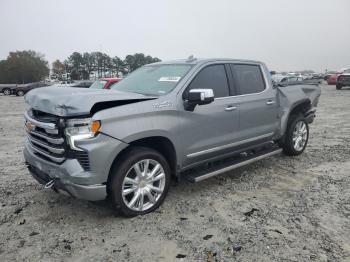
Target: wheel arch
[301,106]
[161,144]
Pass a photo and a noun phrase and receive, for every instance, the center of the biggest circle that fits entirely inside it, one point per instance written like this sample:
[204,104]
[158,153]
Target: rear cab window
[249,78]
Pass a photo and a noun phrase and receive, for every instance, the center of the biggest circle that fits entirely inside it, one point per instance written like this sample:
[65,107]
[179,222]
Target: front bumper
[69,177]
[91,193]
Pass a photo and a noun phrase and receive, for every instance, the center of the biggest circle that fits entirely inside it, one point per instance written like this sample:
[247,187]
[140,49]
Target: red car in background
[105,83]
[332,80]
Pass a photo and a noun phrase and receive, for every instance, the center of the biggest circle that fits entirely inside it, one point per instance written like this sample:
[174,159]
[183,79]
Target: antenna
[191,58]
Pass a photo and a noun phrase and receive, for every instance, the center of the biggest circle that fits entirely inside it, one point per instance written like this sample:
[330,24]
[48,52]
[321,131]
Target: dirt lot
[278,209]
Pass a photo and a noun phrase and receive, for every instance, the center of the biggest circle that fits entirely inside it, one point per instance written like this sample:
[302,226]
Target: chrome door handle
[270,102]
[230,108]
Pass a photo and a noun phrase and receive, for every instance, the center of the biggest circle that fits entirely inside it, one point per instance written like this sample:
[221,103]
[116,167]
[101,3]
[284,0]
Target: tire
[6,91]
[338,87]
[20,93]
[137,186]
[297,129]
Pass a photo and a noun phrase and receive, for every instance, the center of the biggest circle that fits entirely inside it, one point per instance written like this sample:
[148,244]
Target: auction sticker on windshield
[169,79]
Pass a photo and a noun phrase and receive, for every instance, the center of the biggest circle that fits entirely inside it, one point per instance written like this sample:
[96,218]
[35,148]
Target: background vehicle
[190,119]
[328,74]
[21,90]
[343,79]
[6,88]
[105,83]
[293,80]
[332,79]
[277,77]
[83,84]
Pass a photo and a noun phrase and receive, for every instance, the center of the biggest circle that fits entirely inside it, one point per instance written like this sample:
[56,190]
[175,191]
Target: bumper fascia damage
[69,177]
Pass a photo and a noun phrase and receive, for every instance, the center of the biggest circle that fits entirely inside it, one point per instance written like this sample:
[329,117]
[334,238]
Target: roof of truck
[193,61]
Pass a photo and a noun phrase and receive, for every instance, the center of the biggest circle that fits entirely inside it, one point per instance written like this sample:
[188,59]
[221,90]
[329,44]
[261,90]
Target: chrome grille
[44,136]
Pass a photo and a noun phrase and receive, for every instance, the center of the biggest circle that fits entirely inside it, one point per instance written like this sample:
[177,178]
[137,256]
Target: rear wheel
[139,182]
[6,91]
[338,87]
[296,136]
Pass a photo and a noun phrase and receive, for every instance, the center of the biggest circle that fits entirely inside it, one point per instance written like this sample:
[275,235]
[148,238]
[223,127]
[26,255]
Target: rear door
[257,105]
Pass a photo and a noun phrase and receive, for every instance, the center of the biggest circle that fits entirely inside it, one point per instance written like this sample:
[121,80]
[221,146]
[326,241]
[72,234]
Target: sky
[285,34]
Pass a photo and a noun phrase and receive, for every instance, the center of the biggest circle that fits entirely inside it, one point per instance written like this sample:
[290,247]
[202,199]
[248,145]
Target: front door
[210,129]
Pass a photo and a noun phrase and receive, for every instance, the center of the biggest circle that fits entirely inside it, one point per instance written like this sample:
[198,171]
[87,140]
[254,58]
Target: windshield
[98,84]
[153,80]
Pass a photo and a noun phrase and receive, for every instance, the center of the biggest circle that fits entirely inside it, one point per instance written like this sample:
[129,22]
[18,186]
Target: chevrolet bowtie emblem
[30,126]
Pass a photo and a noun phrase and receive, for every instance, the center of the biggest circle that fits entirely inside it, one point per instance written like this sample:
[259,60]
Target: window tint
[249,78]
[212,77]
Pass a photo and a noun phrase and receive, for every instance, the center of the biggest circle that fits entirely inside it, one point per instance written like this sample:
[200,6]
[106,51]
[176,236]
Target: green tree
[75,65]
[132,62]
[89,64]
[23,67]
[118,66]
[58,69]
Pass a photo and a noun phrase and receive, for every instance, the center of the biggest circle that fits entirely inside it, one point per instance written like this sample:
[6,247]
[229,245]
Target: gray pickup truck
[190,119]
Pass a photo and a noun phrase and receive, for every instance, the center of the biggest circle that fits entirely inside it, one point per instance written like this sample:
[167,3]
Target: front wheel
[338,87]
[139,181]
[297,136]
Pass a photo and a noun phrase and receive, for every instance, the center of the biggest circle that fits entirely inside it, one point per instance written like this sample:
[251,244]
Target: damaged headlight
[80,129]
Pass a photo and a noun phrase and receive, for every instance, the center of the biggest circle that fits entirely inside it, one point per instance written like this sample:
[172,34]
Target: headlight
[80,129]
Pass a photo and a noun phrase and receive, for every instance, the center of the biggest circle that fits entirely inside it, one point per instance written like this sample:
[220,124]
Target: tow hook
[49,184]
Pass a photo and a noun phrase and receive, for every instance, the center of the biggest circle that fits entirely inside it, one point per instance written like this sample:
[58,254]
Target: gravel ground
[279,209]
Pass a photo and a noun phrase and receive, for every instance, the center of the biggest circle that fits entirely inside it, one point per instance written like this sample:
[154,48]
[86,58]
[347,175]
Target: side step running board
[196,175]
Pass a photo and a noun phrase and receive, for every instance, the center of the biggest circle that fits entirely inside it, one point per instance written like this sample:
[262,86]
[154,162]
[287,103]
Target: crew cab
[185,119]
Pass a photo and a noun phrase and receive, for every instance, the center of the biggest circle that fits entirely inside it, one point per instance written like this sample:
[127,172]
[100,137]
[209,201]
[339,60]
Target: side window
[249,78]
[211,77]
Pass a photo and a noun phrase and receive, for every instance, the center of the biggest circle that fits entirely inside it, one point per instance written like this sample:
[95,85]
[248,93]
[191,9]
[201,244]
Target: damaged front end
[65,148]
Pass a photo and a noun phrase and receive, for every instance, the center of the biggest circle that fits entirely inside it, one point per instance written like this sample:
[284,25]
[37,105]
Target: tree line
[23,67]
[30,66]
[82,66]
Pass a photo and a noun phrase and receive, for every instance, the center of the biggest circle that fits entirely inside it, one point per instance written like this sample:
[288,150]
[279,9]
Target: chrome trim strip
[218,148]
[50,126]
[52,131]
[56,141]
[225,169]
[51,149]
[55,159]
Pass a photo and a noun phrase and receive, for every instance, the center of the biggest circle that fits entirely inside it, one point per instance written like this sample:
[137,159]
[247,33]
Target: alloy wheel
[300,135]
[143,185]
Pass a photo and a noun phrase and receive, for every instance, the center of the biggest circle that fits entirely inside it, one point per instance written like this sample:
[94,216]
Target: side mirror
[198,97]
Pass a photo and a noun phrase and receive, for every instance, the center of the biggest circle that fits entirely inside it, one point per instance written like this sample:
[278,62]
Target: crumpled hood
[68,101]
